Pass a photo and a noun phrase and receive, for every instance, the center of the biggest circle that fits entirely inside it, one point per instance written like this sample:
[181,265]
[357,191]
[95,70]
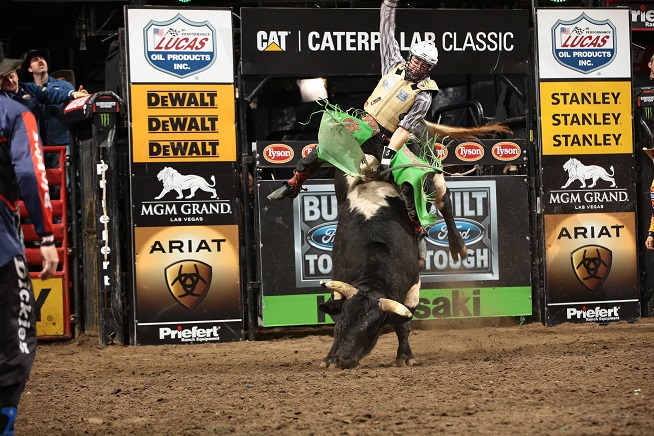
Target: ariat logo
[188,281]
[592,265]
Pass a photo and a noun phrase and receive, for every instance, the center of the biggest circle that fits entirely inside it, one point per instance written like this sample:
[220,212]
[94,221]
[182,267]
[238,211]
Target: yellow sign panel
[586,118]
[49,296]
[183,123]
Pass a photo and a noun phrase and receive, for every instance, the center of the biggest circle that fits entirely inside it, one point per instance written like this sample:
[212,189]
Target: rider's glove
[387,156]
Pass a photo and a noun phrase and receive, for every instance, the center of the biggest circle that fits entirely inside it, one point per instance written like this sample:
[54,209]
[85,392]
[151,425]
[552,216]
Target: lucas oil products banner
[186,237]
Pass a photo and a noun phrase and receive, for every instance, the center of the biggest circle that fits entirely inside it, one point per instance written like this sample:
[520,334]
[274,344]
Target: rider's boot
[387,156]
[290,188]
[420,237]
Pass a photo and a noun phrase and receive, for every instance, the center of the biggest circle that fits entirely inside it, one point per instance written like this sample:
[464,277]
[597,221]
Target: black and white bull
[376,270]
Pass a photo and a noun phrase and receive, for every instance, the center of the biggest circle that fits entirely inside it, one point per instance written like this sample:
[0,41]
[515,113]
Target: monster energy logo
[647,112]
[104,120]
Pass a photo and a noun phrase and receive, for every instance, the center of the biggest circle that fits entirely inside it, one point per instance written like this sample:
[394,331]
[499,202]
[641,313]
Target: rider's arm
[389,50]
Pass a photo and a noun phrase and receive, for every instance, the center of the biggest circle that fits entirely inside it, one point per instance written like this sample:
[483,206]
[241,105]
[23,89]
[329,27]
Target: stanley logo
[188,281]
[592,265]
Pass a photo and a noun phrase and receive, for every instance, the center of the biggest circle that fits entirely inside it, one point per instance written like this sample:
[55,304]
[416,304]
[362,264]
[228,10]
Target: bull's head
[359,318]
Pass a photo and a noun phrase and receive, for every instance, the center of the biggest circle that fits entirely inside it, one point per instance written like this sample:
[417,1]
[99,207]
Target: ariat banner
[579,118]
[591,262]
[584,43]
[183,123]
[296,41]
[588,184]
[188,284]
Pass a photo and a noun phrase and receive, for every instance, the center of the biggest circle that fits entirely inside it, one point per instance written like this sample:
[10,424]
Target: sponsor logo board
[584,43]
[169,45]
[183,123]
[589,259]
[474,204]
[184,194]
[49,301]
[187,276]
[580,118]
[588,184]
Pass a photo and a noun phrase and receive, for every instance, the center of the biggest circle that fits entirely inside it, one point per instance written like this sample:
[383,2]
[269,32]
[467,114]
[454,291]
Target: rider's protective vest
[394,96]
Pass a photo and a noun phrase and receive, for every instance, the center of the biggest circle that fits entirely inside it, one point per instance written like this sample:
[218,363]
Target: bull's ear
[332,307]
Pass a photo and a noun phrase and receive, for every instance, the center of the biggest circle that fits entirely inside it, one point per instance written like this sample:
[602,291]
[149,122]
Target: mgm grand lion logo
[188,281]
[592,265]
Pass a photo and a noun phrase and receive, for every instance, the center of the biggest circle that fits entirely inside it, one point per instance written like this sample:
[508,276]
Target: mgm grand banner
[185,189]
[296,41]
[494,280]
[588,187]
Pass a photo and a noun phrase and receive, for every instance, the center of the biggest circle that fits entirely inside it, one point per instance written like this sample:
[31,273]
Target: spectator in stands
[21,169]
[648,80]
[31,95]
[53,130]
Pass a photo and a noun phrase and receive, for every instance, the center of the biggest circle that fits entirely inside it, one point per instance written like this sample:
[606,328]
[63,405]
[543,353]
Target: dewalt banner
[183,123]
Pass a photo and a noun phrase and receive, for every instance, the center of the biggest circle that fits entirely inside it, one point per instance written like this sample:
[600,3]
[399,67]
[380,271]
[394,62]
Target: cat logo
[272,41]
[188,281]
[592,265]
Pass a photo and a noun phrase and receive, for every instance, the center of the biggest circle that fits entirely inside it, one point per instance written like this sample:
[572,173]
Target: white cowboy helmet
[426,51]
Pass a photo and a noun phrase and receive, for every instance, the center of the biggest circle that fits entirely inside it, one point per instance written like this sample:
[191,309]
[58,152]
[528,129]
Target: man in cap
[53,130]
[21,170]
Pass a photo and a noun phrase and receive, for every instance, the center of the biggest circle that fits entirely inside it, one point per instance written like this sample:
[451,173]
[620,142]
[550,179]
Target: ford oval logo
[322,236]
[471,231]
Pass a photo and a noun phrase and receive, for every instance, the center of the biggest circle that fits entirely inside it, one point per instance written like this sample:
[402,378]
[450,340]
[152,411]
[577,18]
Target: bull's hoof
[458,249]
[401,362]
[324,365]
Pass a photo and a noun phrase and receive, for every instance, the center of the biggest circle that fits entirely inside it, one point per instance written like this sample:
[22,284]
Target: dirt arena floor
[486,378]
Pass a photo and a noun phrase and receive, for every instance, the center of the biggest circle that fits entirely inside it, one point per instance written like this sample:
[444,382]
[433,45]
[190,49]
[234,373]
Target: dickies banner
[184,176]
[345,41]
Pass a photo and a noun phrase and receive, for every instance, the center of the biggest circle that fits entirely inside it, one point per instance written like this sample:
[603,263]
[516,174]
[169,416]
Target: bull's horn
[341,287]
[387,305]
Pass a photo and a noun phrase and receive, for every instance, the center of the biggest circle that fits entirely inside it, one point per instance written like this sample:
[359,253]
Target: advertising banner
[184,176]
[183,194]
[586,117]
[588,187]
[588,184]
[167,44]
[494,280]
[642,13]
[319,42]
[584,43]
[591,267]
[51,315]
[187,281]
[274,154]
[190,123]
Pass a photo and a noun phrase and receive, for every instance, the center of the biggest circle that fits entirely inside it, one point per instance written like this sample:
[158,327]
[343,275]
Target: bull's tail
[474,133]
[612,171]
[213,179]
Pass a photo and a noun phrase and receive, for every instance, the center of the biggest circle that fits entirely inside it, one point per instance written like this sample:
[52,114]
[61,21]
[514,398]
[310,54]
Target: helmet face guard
[422,58]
